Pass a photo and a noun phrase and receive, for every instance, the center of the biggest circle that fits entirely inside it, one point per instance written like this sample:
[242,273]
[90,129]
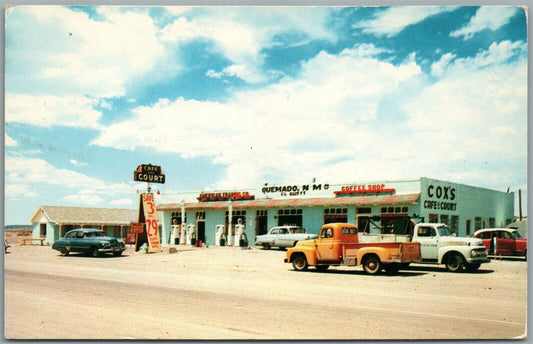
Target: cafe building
[375,207]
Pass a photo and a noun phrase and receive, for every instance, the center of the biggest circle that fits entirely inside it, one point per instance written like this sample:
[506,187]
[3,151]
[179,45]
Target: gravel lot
[234,293]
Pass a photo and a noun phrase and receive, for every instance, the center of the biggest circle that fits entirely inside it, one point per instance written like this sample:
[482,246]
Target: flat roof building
[382,206]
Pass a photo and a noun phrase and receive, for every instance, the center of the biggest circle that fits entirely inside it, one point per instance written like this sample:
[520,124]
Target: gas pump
[174,234]
[183,234]
[219,235]
[191,235]
[240,236]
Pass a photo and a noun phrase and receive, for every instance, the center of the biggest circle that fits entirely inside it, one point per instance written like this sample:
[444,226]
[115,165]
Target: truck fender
[381,252]
[445,251]
[444,254]
[309,255]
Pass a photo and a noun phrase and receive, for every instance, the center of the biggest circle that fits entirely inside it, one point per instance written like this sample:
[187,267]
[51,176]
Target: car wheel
[65,251]
[299,262]
[266,247]
[372,264]
[455,263]
[472,267]
[117,254]
[94,252]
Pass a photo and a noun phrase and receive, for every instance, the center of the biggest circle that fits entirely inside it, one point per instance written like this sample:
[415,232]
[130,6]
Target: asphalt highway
[233,293]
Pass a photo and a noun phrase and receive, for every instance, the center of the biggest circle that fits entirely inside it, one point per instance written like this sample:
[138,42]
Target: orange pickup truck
[338,244]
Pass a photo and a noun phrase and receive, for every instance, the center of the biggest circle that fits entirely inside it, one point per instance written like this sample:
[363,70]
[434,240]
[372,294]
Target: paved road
[229,293]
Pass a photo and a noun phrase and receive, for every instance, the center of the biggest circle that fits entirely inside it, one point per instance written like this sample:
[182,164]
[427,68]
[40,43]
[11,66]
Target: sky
[230,98]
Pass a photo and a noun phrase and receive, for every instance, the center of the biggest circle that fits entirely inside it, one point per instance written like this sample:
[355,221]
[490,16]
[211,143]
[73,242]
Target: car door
[77,241]
[427,237]
[281,238]
[273,236]
[324,245]
[505,244]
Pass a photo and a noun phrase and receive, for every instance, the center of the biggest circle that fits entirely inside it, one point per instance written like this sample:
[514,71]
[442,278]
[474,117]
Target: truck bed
[374,238]
[399,251]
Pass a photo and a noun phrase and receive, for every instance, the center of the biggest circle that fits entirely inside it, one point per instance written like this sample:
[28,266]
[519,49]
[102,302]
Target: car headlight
[478,253]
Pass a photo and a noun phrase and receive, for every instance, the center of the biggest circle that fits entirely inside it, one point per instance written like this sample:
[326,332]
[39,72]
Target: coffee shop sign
[293,190]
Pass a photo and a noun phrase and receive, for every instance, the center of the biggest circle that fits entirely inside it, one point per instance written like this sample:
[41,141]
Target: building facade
[52,222]
[375,207]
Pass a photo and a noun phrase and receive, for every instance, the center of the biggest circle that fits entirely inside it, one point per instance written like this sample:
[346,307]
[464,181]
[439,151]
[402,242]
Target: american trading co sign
[149,173]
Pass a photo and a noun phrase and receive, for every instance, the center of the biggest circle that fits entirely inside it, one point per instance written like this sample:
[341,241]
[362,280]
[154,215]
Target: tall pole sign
[147,211]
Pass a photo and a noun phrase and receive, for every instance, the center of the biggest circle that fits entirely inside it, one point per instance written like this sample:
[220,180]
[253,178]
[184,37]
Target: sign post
[147,210]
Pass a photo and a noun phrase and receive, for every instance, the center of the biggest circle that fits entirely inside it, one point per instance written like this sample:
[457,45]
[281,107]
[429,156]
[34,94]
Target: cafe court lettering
[444,196]
[149,173]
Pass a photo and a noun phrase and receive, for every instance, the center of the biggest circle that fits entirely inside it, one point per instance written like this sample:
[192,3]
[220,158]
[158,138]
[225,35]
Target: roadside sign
[149,173]
[150,219]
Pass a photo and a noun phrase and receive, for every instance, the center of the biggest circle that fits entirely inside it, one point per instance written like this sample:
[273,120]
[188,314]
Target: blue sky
[234,97]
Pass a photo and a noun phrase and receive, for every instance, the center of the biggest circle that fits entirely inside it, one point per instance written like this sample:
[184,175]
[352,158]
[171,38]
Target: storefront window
[290,217]
[335,215]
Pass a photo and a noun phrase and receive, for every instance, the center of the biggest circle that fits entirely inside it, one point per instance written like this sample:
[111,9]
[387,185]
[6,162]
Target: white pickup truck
[439,246]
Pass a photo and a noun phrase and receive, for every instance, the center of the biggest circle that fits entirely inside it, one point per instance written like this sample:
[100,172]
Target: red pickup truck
[338,244]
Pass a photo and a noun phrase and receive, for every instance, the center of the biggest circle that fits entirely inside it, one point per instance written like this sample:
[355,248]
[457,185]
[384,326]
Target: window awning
[373,200]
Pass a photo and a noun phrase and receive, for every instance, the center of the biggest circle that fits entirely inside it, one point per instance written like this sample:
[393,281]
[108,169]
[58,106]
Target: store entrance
[261,222]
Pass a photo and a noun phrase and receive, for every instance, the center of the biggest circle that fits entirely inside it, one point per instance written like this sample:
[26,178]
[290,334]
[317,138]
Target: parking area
[234,293]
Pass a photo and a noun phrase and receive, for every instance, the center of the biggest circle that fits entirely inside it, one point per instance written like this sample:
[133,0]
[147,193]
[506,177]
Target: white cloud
[31,174]
[73,54]
[350,116]
[283,129]
[241,34]
[123,202]
[78,163]
[84,197]
[487,17]
[392,21]
[46,111]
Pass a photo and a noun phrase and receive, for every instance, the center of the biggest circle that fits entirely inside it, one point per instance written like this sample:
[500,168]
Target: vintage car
[283,236]
[90,241]
[503,241]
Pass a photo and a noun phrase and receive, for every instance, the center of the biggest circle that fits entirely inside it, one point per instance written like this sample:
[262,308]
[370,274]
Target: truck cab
[439,246]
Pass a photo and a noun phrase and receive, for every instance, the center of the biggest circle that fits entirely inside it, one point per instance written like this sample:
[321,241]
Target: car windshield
[516,235]
[443,231]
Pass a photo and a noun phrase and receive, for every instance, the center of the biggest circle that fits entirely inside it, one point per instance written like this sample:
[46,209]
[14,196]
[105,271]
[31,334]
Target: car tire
[455,263]
[65,251]
[371,264]
[299,262]
[266,246]
[94,252]
[117,254]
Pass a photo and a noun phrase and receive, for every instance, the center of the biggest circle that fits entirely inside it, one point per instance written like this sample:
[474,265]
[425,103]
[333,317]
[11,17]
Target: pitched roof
[80,215]
[298,202]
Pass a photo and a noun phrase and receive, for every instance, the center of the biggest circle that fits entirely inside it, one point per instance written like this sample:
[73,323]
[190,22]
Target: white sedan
[283,236]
